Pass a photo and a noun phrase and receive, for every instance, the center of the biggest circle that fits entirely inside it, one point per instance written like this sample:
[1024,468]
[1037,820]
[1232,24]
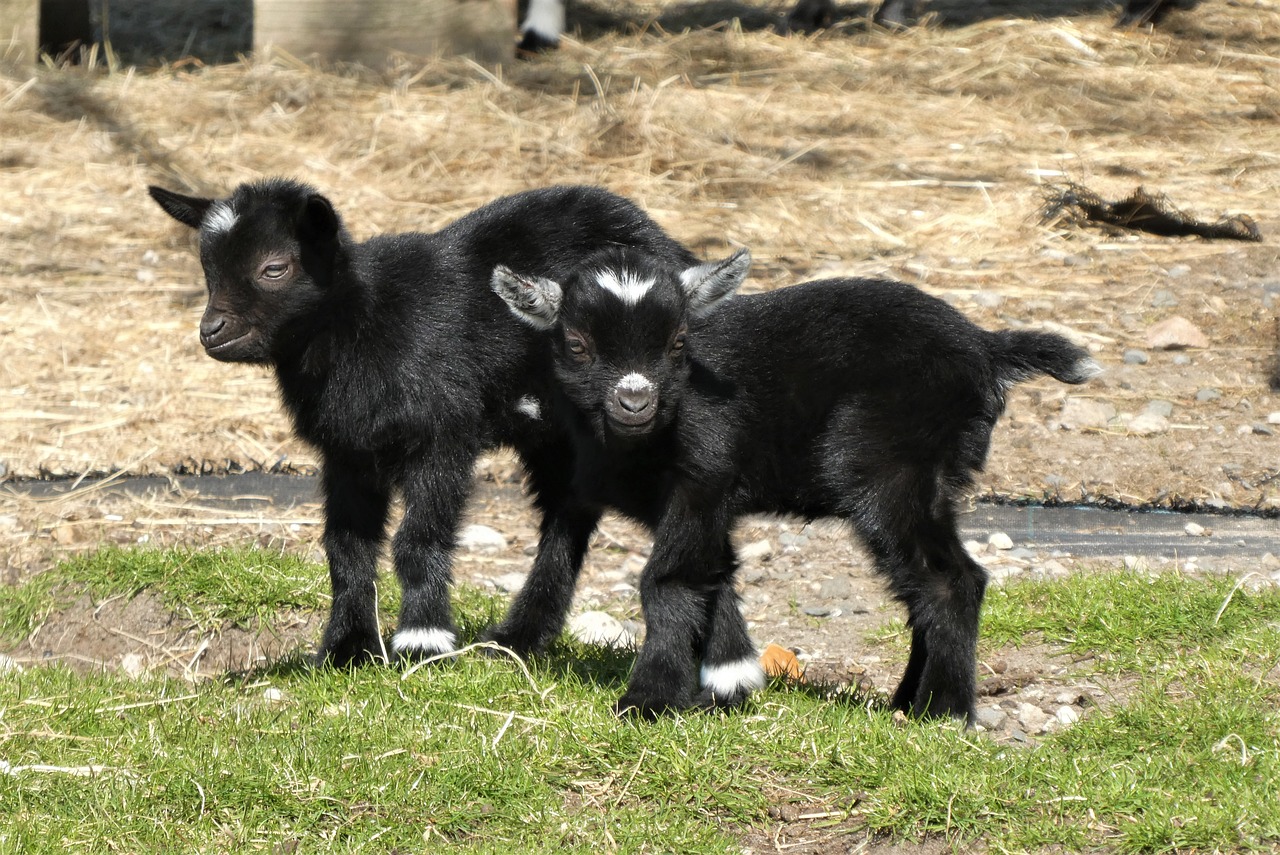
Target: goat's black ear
[533,299]
[188,210]
[318,221]
[708,285]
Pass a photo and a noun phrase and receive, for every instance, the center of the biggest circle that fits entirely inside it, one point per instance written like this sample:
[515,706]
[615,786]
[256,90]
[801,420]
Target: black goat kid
[397,362]
[865,400]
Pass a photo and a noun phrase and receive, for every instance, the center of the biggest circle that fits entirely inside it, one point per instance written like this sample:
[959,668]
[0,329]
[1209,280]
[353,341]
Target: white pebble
[758,551]
[600,628]
[133,665]
[1067,715]
[1194,530]
[481,537]
[1273,418]
[272,695]
[1000,540]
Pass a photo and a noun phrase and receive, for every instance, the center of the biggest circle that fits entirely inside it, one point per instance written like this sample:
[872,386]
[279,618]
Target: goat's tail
[1023,354]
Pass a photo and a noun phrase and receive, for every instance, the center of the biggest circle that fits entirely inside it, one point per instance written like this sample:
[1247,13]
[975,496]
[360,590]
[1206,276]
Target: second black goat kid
[866,400]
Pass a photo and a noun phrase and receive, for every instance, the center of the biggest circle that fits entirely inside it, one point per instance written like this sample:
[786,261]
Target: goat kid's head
[268,253]
[619,323]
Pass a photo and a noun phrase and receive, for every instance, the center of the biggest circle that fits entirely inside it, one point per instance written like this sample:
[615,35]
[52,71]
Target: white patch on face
[627,285]
[219,218]
[529,406]
[741,677]
[545,17]
[428,641]
[635,383]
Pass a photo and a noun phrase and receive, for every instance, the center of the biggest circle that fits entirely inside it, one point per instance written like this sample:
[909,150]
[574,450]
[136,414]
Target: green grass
[478,757]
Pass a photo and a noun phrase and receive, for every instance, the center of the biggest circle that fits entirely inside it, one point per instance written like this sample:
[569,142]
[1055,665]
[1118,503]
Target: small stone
[1085,413]
[990,718]
[1000,540]
[1032,718]
[1133,356]
[1175,333]
[821,611]
[1163,299]
[1021,553]
[760,550]
[753,575]
[1273,418]
[510,583]
[272,695]
[839,588]
[1147,424]
[1264,430]
[481,538]
[1182,359]
[1157,407]
[792,542]
[133,665]
[974,547]
[600,628]
[623,589]
[1208,394]
[1067,698]
[1067,715]
[1194,529]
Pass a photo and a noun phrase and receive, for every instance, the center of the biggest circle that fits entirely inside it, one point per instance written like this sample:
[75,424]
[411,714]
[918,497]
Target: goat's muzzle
[632,405]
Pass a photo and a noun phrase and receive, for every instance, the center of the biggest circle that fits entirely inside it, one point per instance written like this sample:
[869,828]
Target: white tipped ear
[710,284]
[533,299]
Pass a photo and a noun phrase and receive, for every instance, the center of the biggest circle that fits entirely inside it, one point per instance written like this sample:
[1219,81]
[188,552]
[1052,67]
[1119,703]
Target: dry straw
[919,155]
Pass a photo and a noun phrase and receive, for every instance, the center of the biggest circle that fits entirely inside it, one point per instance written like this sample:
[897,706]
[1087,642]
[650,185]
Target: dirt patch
[139,634]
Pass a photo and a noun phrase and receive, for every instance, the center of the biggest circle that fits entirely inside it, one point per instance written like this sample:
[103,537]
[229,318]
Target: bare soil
[923,156]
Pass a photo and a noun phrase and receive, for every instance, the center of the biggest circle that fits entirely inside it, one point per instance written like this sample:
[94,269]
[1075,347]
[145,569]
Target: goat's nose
[635,400]
[210,325]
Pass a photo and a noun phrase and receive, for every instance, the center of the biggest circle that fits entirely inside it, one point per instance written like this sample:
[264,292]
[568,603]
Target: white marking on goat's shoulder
[635,383]
[545,17]
[733,678]
[220,217]
[529,406]
[627,285]
[428,641]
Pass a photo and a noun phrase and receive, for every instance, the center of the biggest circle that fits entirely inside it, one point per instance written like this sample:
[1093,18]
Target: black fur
[398,363]
[866,400]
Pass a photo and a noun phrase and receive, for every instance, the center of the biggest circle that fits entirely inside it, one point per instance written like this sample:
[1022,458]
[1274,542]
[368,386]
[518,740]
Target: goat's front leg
[676,589]
[538,613]
[731,668]
[436,486]
[355,519]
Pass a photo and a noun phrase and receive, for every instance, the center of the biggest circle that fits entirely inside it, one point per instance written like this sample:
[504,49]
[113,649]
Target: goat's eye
[677,343]
[577,347]
[274,271]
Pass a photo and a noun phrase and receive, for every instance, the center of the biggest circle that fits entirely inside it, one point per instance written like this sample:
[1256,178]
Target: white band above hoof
[734,678]
[426,641]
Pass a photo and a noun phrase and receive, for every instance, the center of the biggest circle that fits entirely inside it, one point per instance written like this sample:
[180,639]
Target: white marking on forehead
[529,406]
[635,383]
[628,285]
[219,218]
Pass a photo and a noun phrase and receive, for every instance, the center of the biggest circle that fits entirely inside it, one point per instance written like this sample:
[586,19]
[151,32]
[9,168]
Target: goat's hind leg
[942,589]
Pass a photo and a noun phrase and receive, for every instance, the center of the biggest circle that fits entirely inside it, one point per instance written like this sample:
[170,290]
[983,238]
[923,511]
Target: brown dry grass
[921,156]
